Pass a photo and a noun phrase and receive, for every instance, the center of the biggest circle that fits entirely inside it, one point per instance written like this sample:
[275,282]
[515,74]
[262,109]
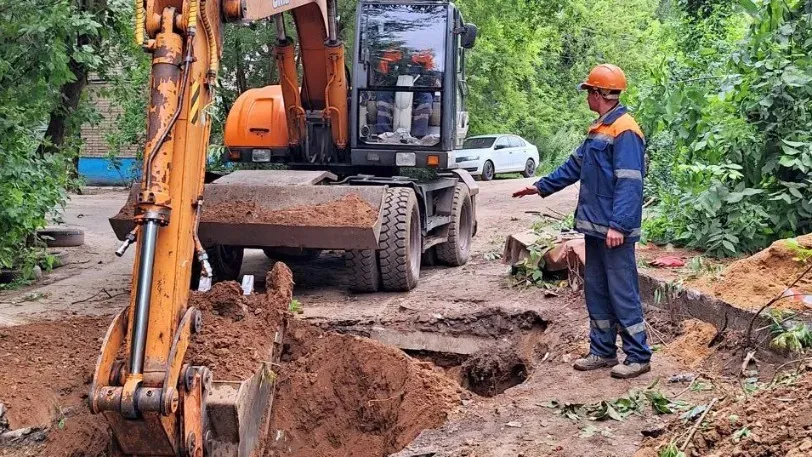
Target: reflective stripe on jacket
[610,165]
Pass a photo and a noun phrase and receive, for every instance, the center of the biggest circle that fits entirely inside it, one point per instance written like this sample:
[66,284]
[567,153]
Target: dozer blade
[238,412]
[255,210]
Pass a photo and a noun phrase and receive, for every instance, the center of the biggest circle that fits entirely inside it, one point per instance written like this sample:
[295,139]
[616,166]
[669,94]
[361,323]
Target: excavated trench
[343,388]
[485,352]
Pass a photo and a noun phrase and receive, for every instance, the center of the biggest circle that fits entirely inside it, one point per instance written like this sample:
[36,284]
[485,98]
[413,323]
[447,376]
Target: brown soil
[238,330]
[779,423]
[492,371]
[343,396]
[348,211]
[45,374]
[752,282]
[691,347]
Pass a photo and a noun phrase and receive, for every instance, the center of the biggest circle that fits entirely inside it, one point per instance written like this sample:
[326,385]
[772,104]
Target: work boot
[630,370]
[594,362]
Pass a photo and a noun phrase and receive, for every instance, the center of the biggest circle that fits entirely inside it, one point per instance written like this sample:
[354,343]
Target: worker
[421,63]
[610,165]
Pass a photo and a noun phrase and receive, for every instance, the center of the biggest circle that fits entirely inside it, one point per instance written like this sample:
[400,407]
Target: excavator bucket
[238,412]
[270,208]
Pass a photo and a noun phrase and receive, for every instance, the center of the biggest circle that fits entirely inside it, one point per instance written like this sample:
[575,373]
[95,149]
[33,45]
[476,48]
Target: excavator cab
[409,84]
[407,99]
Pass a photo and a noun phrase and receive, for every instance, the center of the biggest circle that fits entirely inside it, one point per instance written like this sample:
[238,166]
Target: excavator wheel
[456,251]
[364,272]
[400,243]
[225,261]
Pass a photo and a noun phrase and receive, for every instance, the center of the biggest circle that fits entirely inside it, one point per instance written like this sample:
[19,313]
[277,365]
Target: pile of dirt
[348,211]
[691,347]
[774,422]
[752,282]
[340,395]
[45,374]
[239,330]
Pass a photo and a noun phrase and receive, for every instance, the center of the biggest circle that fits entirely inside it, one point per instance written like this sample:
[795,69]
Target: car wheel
[529,169]
[487,171]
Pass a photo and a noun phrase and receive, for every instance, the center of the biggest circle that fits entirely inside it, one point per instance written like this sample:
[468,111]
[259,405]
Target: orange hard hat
[605,76]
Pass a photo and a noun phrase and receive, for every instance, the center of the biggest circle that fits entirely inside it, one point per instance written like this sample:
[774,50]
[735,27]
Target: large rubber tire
[529,169]
[226,262]
[457,250]
[488,171]
[364,272]
[62,237]
[401,240]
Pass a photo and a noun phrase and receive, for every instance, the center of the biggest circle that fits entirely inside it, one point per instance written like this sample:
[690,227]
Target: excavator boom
[154,403]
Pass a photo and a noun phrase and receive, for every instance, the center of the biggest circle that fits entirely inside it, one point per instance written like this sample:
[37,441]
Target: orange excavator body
[257,120]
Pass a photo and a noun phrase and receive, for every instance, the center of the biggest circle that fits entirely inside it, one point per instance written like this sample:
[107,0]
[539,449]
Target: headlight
[261,155]
[466,159]
[405,159]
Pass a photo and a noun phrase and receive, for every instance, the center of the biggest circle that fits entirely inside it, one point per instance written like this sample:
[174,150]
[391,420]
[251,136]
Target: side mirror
[468,36]
[498,147]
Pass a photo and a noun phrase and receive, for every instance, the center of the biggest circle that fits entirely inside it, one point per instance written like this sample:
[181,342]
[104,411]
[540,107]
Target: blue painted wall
[100,171]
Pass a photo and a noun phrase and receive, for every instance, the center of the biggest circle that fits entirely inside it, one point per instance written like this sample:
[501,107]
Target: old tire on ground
[226,262]
[364,272]
[401,240]
[291,254]
[488,171]
[457,250]
[529,169]
[61,237]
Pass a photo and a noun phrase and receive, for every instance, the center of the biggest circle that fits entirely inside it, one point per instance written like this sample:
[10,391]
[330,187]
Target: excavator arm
[155,404]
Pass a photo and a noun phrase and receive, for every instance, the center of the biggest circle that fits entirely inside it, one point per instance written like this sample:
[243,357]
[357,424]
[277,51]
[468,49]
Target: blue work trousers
[613,301]
[421,112]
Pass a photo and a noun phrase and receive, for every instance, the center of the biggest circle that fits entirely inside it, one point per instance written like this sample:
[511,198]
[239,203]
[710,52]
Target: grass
[295,307]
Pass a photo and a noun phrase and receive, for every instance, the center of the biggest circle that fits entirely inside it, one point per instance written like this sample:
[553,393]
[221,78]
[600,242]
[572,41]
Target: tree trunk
[61,125]
[59,128]
[242,82]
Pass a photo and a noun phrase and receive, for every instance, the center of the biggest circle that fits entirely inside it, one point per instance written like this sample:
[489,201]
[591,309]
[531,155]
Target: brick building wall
[94,136]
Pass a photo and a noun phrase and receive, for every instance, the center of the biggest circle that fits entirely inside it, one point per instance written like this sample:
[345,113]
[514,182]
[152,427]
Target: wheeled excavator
[405,108]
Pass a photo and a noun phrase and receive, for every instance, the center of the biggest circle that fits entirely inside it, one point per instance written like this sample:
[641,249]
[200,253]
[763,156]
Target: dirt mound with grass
[340,395]
[752,282]
[239,330]
[773,422]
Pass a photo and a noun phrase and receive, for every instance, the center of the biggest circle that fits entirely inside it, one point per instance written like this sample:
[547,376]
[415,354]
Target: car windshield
[478,143]
[405,44]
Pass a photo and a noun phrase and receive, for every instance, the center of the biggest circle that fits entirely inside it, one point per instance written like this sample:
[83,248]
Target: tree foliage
[723,91]
[730,118]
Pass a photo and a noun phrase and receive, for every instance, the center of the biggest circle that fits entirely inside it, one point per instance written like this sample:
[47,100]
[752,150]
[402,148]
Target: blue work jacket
[610,165]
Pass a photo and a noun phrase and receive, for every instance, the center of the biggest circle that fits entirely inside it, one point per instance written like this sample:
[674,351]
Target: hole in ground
[487,373]
[486,352]
[340,395]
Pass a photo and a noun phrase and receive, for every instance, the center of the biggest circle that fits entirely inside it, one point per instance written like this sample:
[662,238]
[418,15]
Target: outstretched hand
[529,190]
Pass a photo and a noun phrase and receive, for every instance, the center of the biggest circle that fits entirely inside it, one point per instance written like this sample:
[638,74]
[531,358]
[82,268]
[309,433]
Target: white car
[488,155]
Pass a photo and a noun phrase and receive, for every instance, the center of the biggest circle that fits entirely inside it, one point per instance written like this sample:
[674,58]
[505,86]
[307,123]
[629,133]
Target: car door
[519,153]
[501,154]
